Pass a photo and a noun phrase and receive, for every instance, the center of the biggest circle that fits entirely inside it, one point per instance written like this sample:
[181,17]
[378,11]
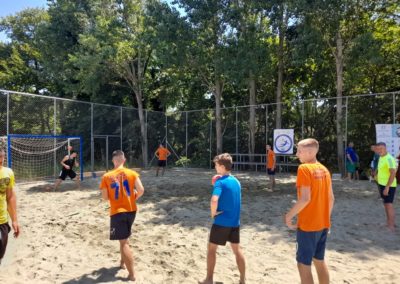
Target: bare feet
[392,228]
[205,282]
[131,277]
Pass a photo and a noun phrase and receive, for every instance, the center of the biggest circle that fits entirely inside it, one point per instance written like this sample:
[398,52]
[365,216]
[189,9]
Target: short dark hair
[118,153]
[381,144]
[73,152]
[225,160]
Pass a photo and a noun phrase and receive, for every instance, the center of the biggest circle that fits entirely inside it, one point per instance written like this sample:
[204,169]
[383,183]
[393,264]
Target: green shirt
[386,163]
[6,180]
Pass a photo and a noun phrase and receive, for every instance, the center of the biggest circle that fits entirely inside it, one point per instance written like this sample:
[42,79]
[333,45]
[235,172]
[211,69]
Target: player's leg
[319,256]
[306,245]
[234,239]
[218,236]
[127,258]
[211,260]
[163,168]
[305,273]
[4,231]
[390,216]
[322,271]
[61,177]
[120,229]
[240,261]
[389,209]
[73,176]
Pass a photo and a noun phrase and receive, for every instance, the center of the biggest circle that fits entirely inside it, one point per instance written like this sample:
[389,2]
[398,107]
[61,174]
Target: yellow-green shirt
[7,180]
[385,163]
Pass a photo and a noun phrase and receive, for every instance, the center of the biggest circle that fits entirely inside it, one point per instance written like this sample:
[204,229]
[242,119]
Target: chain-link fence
[190,135]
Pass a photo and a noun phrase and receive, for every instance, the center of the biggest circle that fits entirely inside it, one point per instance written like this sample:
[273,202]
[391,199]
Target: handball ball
[215,178]
[69,148]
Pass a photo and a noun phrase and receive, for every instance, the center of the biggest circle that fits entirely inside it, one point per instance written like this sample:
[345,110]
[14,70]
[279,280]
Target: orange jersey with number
[315,216]
[120,185]
[162,153]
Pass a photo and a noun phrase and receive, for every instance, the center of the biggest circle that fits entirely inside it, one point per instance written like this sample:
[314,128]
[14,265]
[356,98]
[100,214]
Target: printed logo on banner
[283,143]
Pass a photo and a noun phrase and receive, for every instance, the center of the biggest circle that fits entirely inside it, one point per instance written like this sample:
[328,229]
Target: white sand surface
[64,235]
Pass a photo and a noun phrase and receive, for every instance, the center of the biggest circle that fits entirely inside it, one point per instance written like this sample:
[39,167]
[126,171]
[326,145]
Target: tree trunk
[143,128]
[252,118]
[339,102]
[218,96]
[279,87]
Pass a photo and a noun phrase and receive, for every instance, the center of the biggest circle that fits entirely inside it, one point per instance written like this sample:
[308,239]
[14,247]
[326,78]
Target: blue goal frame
[10,136]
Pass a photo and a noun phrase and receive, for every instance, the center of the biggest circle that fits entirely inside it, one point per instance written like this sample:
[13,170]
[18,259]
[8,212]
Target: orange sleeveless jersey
[315,216]
[120,185]
[162,153]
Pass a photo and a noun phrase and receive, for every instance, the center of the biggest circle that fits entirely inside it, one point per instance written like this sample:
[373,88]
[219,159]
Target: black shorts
[271,172]
[4,230]
[219,235]
[64,173]
[162,163]
[121,225]
[388,198]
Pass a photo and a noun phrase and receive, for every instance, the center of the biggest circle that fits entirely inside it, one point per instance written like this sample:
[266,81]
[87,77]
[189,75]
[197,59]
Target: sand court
[64,235]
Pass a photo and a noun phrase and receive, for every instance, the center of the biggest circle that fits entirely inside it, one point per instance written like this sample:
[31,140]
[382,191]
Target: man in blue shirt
[351,161]
[225,210]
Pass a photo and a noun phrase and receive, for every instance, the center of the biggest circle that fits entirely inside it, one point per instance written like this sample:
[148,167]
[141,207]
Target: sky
[10,7]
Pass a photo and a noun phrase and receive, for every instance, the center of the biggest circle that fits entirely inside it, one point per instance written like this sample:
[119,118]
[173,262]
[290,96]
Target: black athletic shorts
[121,225]
[387,198]
[162,163]
[219,235]
[64,173]
[4,230]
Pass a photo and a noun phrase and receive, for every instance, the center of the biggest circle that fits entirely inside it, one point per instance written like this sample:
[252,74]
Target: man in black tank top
[68,162]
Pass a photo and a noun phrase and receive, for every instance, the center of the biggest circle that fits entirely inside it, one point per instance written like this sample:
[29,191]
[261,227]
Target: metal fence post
[394,108]
[237,131]
[91,140]
[55,133]
[302,119]
[8,113]
[210,141]
[186,133]
[121,128]
[266,124]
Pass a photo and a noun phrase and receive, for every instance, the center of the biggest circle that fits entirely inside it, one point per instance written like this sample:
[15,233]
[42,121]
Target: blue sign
[283,144]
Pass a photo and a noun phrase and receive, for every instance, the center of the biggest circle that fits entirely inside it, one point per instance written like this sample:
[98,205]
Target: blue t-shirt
[375,161]
[350,151]
[229,191]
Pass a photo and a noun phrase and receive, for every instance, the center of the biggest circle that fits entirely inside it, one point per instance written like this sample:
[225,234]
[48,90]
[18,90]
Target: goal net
[35,157]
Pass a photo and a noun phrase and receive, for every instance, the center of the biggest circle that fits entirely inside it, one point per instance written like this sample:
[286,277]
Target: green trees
[208,54]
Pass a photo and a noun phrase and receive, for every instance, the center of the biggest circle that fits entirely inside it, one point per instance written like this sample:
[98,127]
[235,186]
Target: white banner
[389,134]
[283,141]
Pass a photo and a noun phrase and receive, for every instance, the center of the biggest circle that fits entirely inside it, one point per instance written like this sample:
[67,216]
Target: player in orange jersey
[313,207]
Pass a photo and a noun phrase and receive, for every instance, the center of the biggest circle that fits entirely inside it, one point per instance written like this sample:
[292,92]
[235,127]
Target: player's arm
[305,197]
[63,162]
[104,194]
[331,200]
[156,154]
[214,205]
[274,162]
[139,189]
[12,209]
[349,158]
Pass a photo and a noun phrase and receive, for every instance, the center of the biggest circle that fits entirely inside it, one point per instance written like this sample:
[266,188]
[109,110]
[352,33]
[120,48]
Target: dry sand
[65,234]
